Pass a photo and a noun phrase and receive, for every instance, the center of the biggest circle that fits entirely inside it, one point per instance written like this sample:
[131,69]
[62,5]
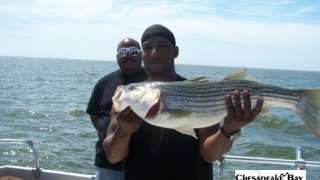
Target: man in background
[99,107]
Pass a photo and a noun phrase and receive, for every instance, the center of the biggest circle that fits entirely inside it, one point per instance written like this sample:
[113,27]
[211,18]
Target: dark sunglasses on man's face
[123,52]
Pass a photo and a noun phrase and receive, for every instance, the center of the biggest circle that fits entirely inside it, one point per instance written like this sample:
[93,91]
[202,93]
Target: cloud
[243,26]
[307,9]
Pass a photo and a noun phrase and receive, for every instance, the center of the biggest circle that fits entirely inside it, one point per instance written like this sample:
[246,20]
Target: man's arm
[94,120]
[213,144]
[121,127]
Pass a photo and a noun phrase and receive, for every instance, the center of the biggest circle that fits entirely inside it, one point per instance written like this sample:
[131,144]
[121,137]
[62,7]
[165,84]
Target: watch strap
[232,136]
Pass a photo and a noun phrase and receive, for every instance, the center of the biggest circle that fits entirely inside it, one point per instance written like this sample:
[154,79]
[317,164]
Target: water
[45,100]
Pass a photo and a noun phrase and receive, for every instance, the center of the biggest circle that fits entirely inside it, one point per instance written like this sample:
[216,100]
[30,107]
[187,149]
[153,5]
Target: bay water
[45,100]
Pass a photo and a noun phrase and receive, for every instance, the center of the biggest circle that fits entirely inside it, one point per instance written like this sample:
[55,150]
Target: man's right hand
[128,121]
[121,127]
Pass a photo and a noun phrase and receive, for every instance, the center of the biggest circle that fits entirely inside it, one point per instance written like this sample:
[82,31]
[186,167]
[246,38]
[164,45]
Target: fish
[198,103]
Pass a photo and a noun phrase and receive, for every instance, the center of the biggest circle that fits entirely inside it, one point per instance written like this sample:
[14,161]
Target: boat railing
[299,163]
[36,172]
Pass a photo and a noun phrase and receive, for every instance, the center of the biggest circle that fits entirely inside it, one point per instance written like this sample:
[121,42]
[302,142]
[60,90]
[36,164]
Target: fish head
[142,98]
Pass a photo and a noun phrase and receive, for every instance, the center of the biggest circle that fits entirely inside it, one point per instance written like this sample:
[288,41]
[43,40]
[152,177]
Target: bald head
[128,42]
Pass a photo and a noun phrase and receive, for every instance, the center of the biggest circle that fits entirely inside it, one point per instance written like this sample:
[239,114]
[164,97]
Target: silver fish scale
[208,97]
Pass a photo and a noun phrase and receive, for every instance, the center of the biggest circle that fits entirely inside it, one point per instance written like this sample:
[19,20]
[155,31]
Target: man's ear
[176,51]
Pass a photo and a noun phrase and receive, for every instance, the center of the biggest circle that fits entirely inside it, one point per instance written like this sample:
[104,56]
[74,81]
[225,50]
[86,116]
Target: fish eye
[131,88]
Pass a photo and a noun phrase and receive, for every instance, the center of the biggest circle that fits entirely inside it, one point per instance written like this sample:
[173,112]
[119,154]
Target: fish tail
[308,109]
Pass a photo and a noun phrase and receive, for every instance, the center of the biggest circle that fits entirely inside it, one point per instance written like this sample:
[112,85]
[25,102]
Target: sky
[272,34]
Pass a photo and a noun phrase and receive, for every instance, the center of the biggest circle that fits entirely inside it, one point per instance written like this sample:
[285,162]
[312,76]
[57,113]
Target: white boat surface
[9,172]
[18,172]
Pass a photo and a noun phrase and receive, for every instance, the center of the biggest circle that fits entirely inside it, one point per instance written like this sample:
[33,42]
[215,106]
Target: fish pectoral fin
[180,120]
[187,130]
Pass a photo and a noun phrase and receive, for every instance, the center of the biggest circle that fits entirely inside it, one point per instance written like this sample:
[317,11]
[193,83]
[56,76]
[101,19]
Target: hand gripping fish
[186,105]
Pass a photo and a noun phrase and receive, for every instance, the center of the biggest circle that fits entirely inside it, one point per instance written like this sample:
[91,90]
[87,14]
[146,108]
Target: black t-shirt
[100,104]
[157,153]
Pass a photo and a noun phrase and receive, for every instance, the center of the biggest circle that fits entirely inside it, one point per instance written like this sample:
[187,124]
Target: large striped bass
[190,104]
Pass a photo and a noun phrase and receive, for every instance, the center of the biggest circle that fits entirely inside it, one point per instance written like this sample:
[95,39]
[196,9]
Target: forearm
[215,146]
[94,121]
[116,145]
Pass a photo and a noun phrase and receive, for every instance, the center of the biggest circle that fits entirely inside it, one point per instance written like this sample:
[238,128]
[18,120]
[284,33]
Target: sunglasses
[123,52]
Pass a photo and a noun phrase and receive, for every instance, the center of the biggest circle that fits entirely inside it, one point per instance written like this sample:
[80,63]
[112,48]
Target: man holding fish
[153,152]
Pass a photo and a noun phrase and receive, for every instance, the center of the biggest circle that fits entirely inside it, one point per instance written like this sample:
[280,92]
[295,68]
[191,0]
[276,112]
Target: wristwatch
[232,136]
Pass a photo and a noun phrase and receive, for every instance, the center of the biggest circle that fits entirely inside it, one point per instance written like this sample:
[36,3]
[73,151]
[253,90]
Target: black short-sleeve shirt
[157,153]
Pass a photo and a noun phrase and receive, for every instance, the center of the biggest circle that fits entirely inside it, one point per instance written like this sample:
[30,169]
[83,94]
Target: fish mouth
[153,111]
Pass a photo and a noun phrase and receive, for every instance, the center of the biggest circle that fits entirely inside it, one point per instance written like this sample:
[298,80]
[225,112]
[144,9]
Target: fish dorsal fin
[240,73]
[199,79]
